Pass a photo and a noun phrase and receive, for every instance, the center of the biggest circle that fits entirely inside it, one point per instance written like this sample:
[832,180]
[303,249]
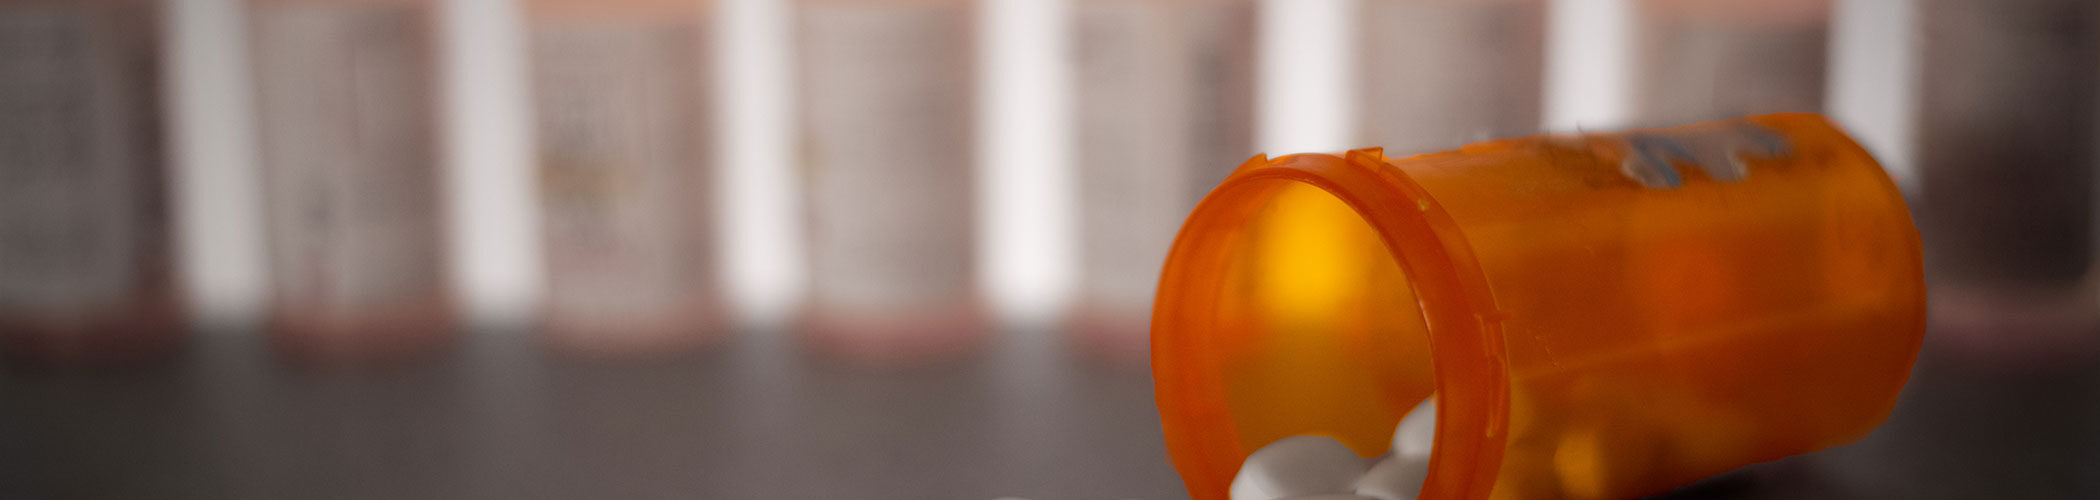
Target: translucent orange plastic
[1591,329]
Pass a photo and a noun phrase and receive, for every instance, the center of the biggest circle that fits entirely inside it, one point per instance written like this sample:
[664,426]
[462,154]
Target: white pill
[1417,432]
[1395,478]
[1331,497]
[1298,466]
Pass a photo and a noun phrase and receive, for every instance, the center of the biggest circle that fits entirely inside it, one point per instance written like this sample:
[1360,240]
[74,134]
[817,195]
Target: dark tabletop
[756,418]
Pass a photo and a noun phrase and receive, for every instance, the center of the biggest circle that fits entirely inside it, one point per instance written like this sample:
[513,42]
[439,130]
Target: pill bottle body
[2005,184]
[620,95]
[1702,60]
[1488,79]
[346,93]
[86,270]
[888,177]
[1594,325]
[1165,98]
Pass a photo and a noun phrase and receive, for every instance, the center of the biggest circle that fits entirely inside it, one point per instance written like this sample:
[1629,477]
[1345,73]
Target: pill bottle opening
[1297,301]
[1332,343]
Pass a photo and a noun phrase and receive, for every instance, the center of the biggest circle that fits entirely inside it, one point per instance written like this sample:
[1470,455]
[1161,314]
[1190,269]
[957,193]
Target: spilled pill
[1417,432]
[1394,478]
[1320,468]
[1298,466]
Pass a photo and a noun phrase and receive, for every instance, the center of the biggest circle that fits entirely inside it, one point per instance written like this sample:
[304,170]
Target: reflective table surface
[759,418]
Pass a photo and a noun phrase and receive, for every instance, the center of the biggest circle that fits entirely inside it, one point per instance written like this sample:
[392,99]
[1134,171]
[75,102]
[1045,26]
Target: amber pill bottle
[1600,316]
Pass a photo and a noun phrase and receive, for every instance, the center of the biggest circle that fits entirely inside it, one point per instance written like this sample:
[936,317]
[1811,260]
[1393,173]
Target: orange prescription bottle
[1165,94]
[345,92]
[620,95]
[1711,59]
[85,265]
[1600,316]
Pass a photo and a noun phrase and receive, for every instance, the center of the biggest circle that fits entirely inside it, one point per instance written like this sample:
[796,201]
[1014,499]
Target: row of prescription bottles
[346,101]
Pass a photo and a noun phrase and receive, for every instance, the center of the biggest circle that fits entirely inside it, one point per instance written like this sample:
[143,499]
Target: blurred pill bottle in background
[1439,73]
[1713,59]
[887,154]
[2005,163]
[620,98]
[347,99]
[85,268]
[1165,108]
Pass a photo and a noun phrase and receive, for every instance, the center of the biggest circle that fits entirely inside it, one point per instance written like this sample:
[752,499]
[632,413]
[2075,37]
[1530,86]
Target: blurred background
[888,248]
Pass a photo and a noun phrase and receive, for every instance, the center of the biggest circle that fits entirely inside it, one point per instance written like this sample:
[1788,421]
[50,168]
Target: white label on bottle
[622,170]
[1165,111]
[1439,74]
[346,116]
[71,156]
[888,153]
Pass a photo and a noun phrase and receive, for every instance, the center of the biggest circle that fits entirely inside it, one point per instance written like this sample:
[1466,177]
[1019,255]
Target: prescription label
[1697,66]
[622,170]
[346,113]
[1437,74]
[77,116]
[887,152]
[1723,155]
[1165,111]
